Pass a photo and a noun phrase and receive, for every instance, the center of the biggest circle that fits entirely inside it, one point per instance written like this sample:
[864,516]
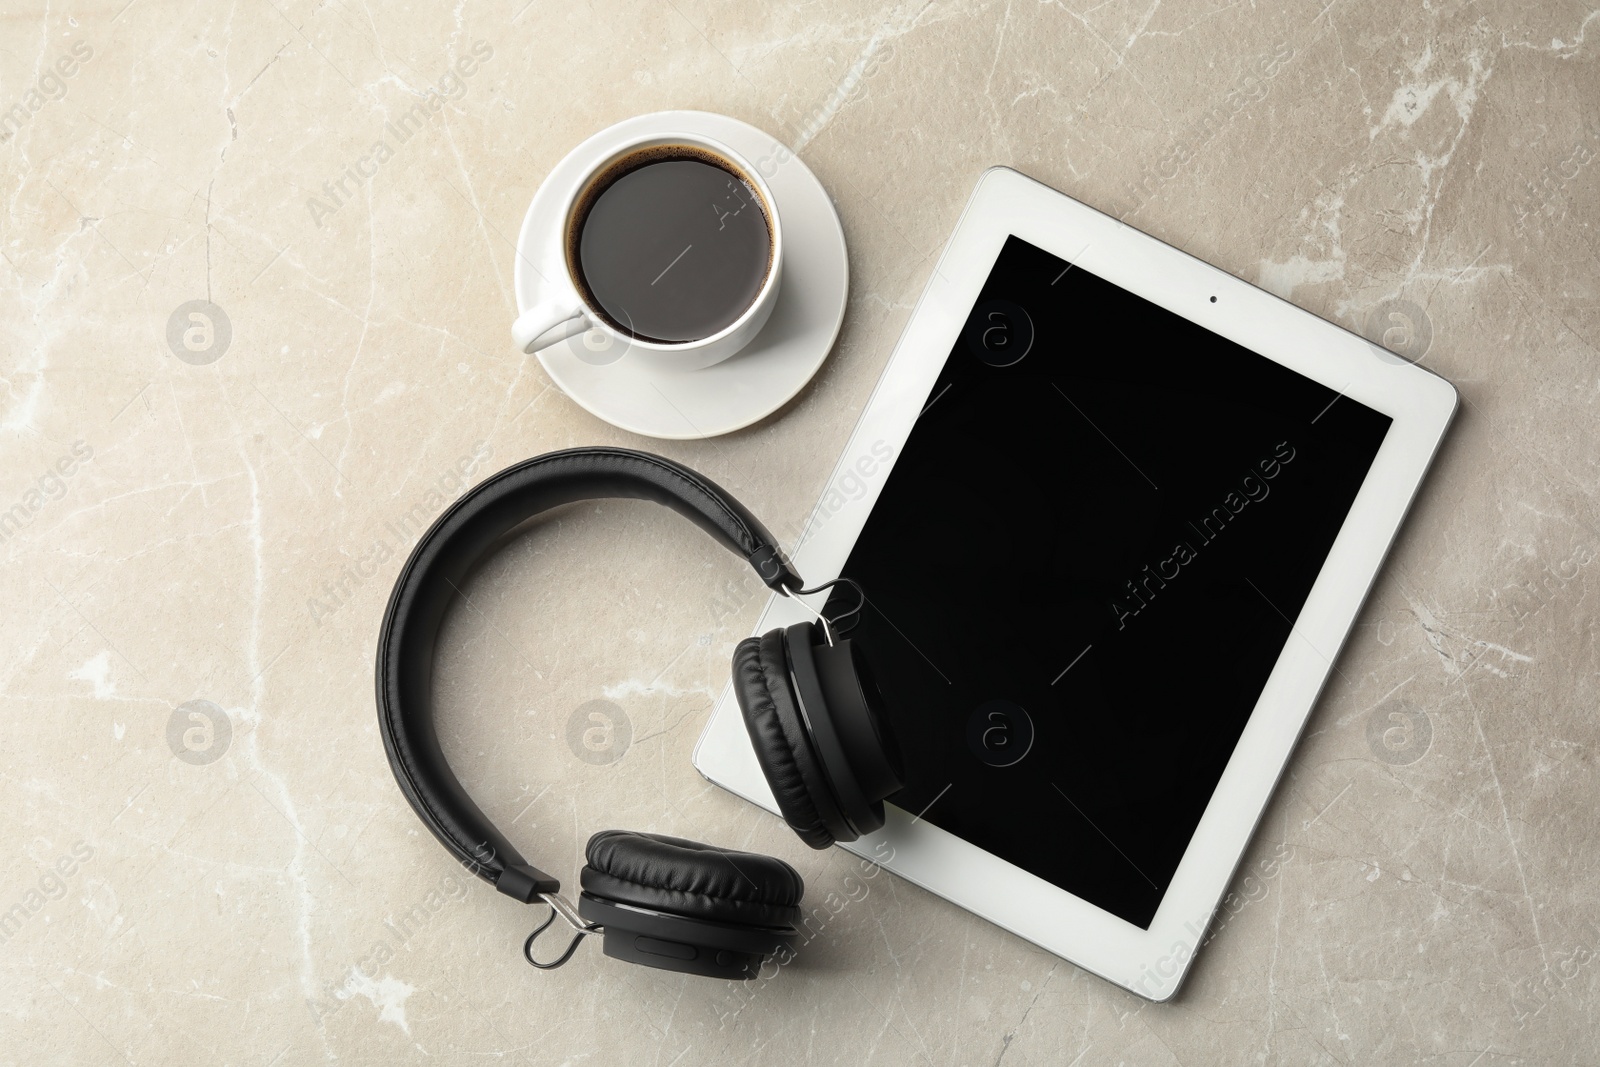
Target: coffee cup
[672,253]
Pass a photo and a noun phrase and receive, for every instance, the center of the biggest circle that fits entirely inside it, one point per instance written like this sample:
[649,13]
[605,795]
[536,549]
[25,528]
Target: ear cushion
[687,878]
[761,685]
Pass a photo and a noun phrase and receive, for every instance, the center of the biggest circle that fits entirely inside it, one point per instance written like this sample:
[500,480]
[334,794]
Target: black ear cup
[682,906]
[786,756]
[817,726]
[841,710]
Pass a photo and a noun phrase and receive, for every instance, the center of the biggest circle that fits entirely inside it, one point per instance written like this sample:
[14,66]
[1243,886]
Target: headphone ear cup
[851,726]
[687,878]
[830,681]
[679,905]
[784,752]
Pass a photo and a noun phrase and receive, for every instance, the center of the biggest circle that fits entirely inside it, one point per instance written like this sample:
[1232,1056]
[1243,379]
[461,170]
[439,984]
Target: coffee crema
[670,244]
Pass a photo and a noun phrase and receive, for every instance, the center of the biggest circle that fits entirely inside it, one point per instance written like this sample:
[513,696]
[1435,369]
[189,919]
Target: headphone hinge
[519,881]
[774,568]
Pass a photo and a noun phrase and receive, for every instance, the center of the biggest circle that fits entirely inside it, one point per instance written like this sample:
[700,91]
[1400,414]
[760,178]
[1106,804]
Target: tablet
[1114,512]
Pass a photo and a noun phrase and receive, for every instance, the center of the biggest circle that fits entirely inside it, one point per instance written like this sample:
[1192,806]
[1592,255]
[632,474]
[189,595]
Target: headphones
[812,710]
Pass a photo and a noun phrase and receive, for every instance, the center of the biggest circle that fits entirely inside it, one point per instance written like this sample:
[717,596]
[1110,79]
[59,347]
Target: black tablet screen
[1083,567]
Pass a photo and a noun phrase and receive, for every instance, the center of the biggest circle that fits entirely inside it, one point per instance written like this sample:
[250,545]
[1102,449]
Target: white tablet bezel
[1153,962]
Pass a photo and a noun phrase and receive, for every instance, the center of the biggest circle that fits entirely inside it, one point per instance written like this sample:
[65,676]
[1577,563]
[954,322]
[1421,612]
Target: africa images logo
[1252,488]
[346,185]
[51,85]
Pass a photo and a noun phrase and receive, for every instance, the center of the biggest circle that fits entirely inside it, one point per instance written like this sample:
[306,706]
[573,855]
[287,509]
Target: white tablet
[1114,511]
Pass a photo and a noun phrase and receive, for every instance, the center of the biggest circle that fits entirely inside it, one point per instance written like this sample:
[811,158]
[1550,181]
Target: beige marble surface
[239,881]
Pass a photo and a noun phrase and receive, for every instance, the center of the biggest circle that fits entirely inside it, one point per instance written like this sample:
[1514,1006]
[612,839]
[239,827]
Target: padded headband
[431,579]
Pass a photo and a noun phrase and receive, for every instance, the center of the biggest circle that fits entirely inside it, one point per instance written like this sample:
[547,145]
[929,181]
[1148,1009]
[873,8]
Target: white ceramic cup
[560,310]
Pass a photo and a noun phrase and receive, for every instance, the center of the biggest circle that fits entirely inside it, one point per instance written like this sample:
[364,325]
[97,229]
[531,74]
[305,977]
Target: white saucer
[774,367]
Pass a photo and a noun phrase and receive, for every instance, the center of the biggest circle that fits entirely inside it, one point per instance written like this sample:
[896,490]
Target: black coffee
[671,244]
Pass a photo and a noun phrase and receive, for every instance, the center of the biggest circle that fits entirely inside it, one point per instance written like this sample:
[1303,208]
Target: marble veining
[255,295]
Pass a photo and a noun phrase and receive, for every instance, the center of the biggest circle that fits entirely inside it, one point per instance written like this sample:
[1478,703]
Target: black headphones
[810,705]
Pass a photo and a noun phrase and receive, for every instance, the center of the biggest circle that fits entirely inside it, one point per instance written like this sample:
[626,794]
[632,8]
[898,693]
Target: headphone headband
[430,579]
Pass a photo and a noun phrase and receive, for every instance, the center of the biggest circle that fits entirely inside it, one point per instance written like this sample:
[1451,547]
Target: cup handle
[548,321]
